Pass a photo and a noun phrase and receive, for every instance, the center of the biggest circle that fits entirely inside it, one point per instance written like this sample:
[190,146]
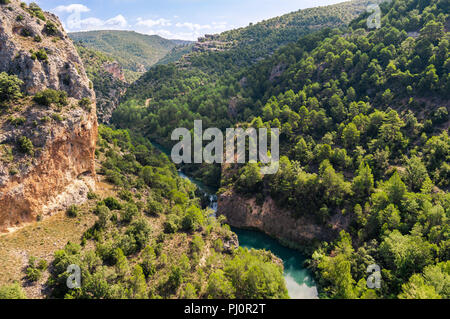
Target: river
[299,281]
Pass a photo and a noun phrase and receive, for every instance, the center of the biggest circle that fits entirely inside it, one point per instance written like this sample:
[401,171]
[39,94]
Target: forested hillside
[205,83]
[364,121]
[134,51]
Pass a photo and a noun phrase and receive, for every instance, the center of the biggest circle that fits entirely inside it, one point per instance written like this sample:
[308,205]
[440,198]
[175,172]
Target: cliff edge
[48,131]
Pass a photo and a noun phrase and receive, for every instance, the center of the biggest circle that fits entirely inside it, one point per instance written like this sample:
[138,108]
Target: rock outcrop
[115,70]
[60,170]
[278,223]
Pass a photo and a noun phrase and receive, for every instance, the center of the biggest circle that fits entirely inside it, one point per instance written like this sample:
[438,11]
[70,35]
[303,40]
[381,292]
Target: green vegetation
[10,88]
[72,211]
[25,145]
[35,268]
[50,28]
[363,116]
[135,52]
[40,55]
[51,97]
[36,11]
[13,291]
[130,254]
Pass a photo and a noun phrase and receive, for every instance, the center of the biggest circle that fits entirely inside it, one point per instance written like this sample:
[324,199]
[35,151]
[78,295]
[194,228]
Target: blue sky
[173,19]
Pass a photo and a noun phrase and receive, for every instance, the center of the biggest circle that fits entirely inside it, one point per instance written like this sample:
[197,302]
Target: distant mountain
[230,52]
[135,52]
[260,39]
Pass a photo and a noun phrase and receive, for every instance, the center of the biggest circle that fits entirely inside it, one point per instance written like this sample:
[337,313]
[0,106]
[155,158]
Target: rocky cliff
[47,147]
[242,212]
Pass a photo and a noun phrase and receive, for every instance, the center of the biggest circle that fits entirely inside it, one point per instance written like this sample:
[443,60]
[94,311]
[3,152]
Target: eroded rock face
[61,171]
[276,222]
[115,70]
[19,36]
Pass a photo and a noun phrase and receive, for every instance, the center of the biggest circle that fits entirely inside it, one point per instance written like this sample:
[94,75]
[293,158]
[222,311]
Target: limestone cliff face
[61,170]
[115,70]
[21,34]
[278,223]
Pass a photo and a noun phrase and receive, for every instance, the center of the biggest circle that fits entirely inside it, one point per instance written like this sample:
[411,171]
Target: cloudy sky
[173,19]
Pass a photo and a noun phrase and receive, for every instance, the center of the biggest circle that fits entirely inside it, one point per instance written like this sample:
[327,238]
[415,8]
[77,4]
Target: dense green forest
[236,49]
[364,121]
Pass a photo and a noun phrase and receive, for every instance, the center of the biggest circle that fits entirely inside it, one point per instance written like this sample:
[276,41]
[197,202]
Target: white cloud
[159,26]
[193,26]
[76,23]
[117,22]
[72,8]
[151,23]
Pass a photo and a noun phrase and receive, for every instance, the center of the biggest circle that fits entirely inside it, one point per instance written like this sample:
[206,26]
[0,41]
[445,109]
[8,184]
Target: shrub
[194,218]
[50,28]
[17,121]
[36,11]
[26,146]
[112,203]
[171,224]
[129,213]
[92,195]
[34,271]
[13,291]
[154,208]
[85,103]
[26,32]
[72,211]
[40,55]
[9,87]
[50,96]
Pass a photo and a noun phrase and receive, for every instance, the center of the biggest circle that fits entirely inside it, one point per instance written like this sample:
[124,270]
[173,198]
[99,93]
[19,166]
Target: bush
[50,28]
[85,103]
[26,32]
[9,87]
[13,291]
[33,271]
[50,96]
[112,203]
[36,11]
[72,211]
[26,146]
[154,208]
[171,224]
[129,213]
[193,220]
